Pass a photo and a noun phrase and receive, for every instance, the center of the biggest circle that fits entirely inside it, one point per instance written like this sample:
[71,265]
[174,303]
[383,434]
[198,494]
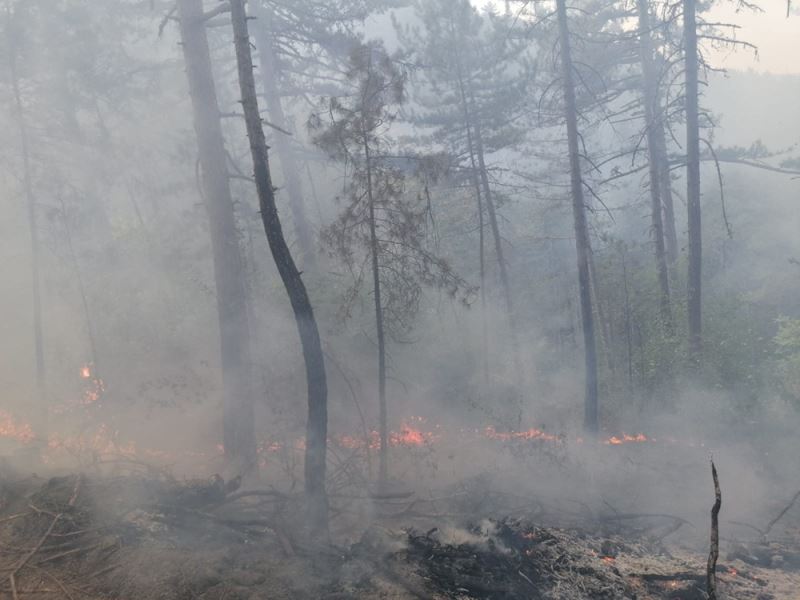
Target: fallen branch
[167,18]
[70,552]
[780,514]
[13,517]
[220,9]
[57,581]
[56,518]
[683,576]
[629,516]
[251,493]
[713,555]
[236,524]
[103,571]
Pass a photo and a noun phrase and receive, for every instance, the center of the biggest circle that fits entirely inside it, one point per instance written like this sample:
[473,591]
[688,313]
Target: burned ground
[145,535]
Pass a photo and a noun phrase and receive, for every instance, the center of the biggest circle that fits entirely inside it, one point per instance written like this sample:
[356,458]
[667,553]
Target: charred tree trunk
[652,114]
[229,270]
[38,336]
[283,147]
[581,228]
[317,425]
[693,184]
[383,464]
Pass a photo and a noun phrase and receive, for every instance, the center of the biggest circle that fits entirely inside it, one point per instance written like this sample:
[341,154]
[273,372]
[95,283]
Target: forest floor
[146,536]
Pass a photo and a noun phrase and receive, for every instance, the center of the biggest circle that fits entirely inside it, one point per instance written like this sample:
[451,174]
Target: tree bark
[693,183]
[481,234]
[475,140]
[591,417]
[229,271]
[653,121]
[665,183]
[317,424]
[283,148]
[498,245]
[605,326]
[38,336]
[383,464]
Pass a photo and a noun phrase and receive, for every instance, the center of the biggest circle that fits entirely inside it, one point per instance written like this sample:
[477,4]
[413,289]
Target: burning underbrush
[137,532]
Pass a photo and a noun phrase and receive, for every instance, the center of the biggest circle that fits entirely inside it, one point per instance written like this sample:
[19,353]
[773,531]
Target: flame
[86,372]
[103,441]
[530,434]
[12,429]
[608,559]
[409,436]
[626,439]
[732,571]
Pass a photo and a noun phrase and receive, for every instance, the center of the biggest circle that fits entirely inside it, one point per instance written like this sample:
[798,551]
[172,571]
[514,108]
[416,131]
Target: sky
[777,38]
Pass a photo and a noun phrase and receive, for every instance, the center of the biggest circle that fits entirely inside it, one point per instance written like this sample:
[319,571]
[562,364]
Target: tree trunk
[653,115]
[665,183]
[383,465]
[82,291]
[591,421]
[605,328]
[484,192]
[229,272]
[317,424]
[283,147]
[498,245]
[38,336]
[693,183]
[481,240]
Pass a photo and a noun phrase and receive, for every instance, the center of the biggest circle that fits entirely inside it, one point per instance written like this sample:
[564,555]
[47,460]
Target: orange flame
[530,434]
[626,439]
[409,436]
[10,428]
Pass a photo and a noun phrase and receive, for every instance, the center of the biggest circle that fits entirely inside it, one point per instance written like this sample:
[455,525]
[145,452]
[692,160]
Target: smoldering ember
[396,299]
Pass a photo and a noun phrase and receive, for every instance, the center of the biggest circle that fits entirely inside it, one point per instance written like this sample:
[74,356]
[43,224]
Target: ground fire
[399,300]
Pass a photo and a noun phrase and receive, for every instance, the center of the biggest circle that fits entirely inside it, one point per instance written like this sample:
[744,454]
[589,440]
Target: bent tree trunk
[693,184]
[317,425]
[591,421]
[283,148]
[652,116]
[38,336]
[229,272]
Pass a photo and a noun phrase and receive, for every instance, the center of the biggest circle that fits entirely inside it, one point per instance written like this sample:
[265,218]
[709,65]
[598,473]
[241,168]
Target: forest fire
[627,439]
[414,432]
[354,299]
[12,429]
[530,434]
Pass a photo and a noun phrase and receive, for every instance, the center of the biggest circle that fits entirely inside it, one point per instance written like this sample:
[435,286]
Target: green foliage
[381,220]
[787,360]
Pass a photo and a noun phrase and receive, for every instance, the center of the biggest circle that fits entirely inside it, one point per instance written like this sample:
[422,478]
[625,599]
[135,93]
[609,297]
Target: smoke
[115,170]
